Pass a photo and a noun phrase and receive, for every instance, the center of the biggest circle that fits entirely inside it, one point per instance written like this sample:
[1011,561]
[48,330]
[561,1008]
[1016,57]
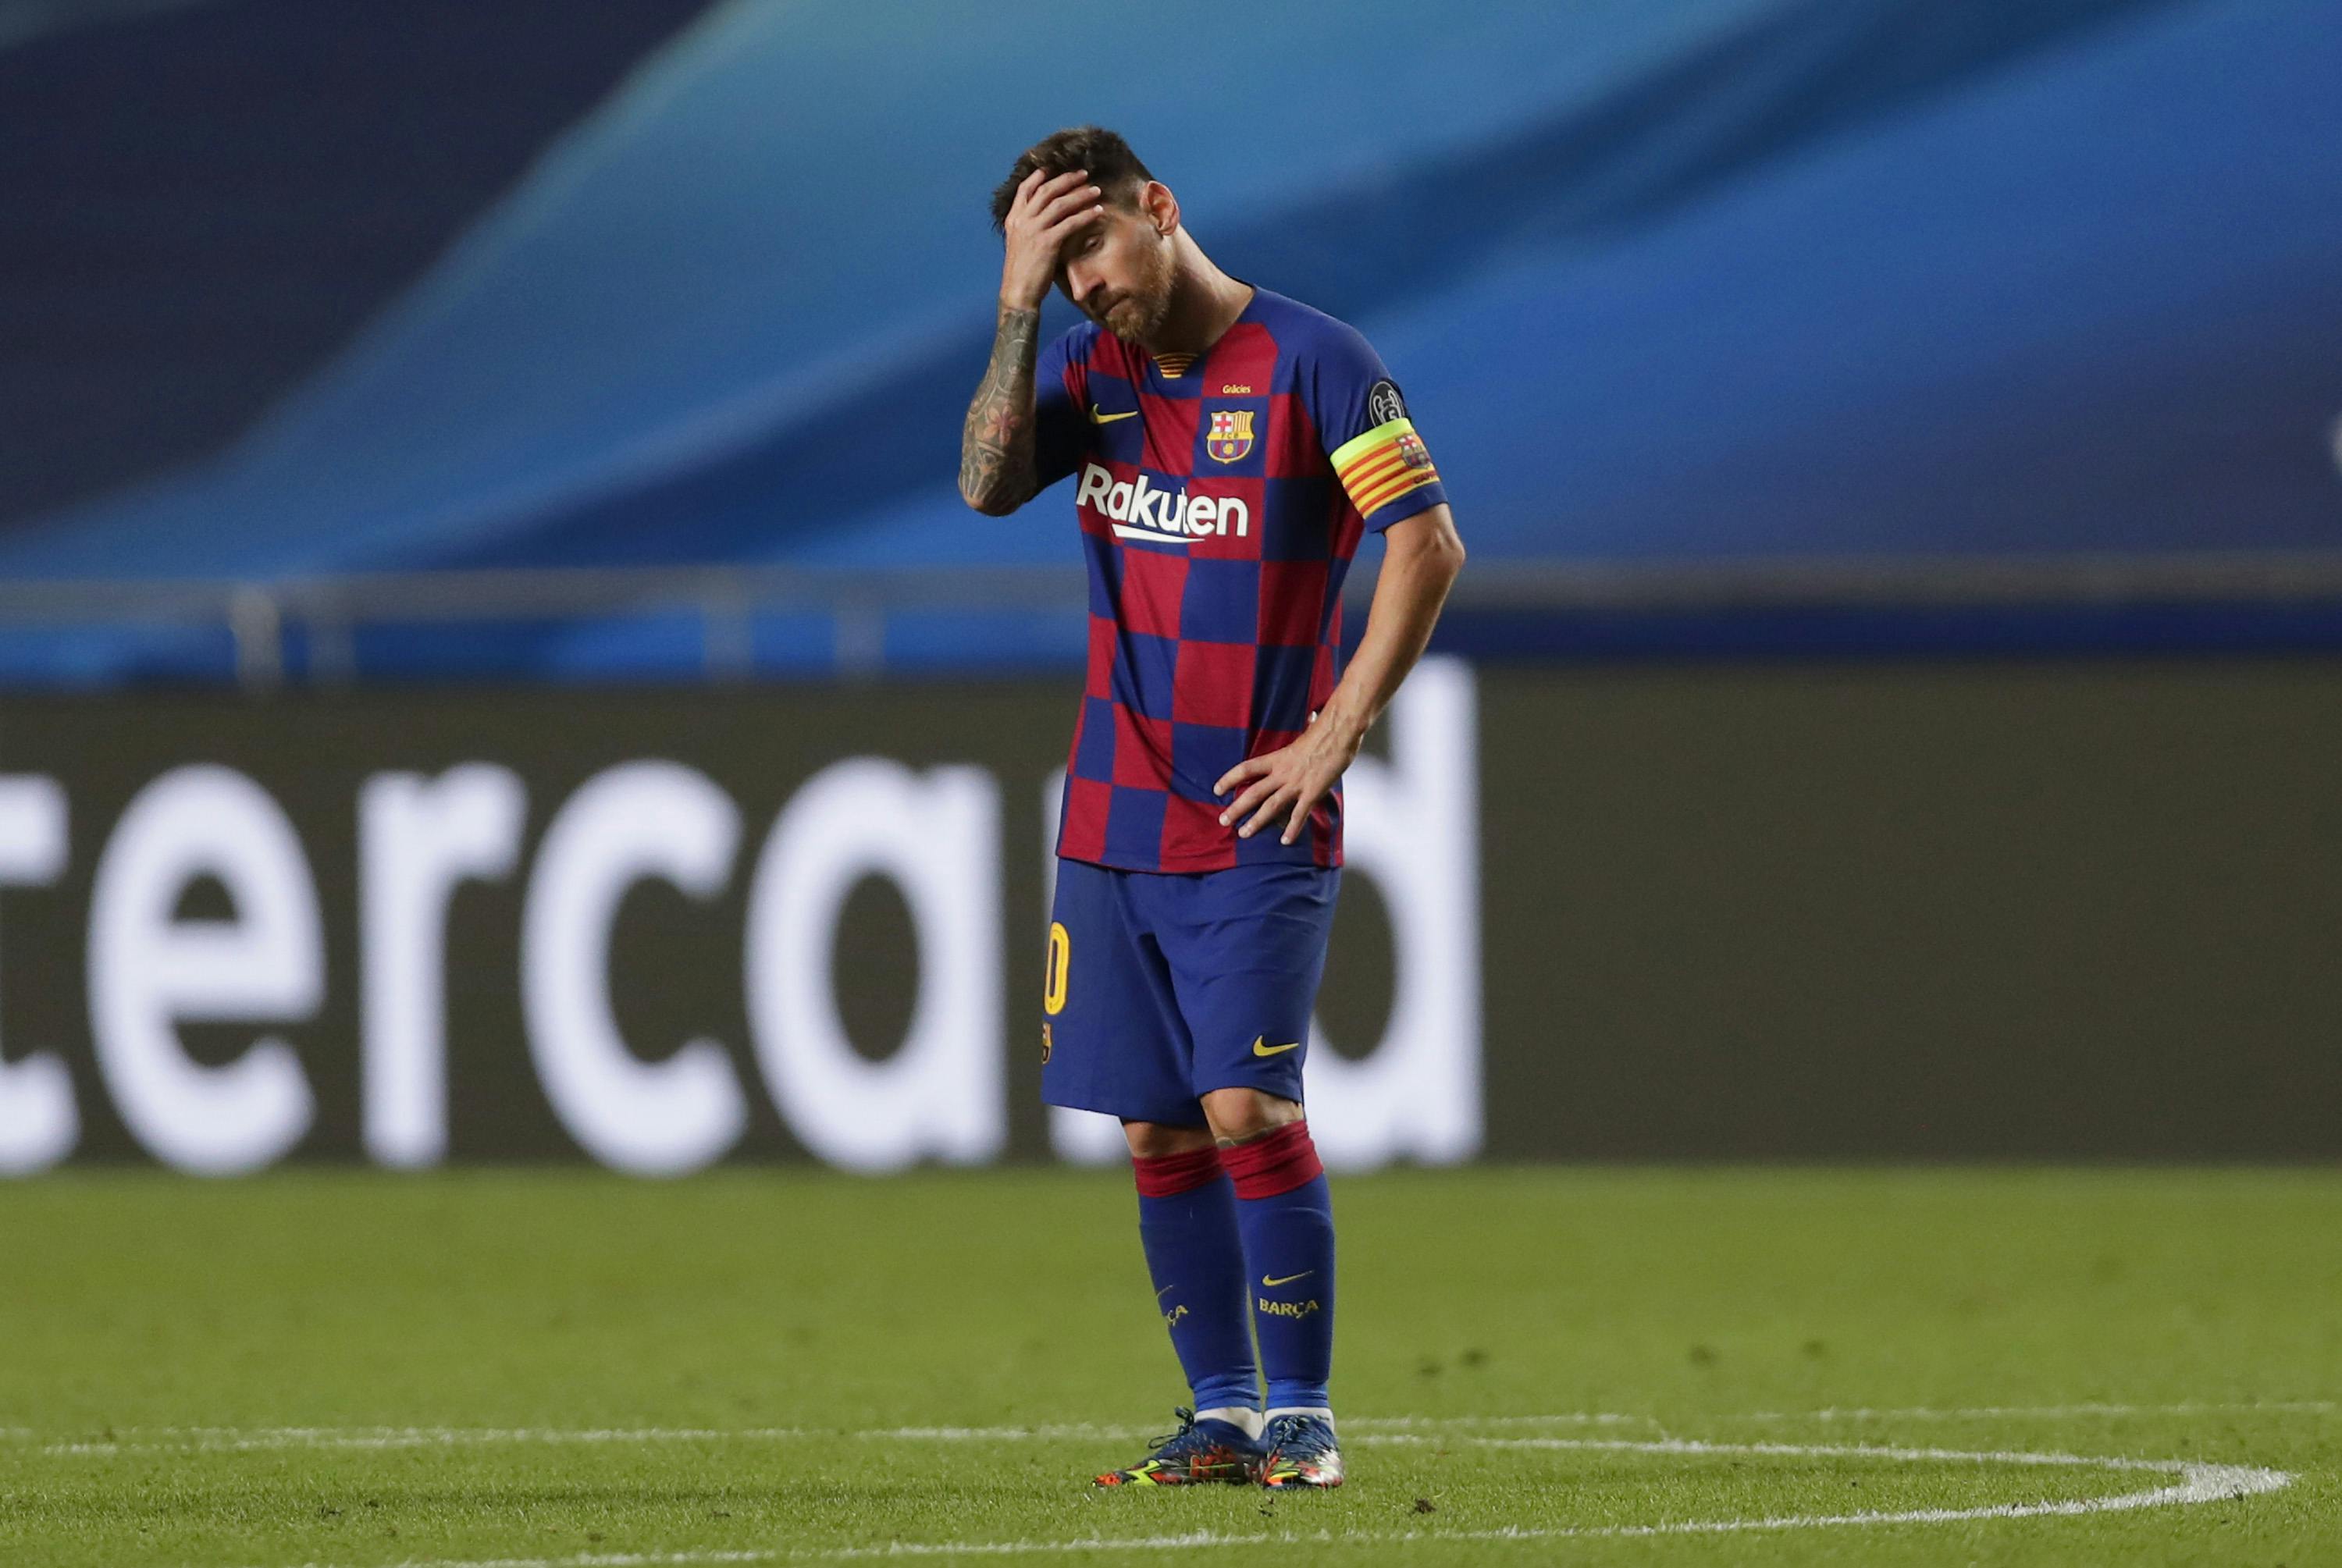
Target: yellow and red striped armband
[1382,465]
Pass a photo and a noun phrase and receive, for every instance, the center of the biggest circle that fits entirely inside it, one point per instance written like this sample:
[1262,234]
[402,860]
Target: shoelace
[1297,1436]
[1186,1425]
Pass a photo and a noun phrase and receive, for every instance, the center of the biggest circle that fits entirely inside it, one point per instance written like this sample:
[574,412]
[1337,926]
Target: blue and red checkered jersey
[1221,497]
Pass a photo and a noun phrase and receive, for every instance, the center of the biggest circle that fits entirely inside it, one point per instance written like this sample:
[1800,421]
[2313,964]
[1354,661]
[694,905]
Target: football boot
[1299,1451]
[1200,1452]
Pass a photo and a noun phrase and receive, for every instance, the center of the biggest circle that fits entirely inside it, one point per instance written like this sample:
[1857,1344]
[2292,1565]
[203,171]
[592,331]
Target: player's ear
[1160,207]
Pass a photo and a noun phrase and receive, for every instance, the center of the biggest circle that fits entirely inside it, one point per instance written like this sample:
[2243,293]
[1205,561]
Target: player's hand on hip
[1044,215]
[1287,783]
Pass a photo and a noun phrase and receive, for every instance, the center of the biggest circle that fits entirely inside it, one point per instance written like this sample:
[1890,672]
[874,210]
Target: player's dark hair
[1114,168]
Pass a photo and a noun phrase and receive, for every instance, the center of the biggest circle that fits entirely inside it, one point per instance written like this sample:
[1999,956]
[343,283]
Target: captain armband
[1384,463]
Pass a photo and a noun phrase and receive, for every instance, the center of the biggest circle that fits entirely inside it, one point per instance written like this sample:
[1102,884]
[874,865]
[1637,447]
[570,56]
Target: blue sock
[1286,1217]
[1187,1223]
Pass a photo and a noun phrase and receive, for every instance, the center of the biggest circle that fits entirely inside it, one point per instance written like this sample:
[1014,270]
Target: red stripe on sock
[1267,1167]
[1168,1175]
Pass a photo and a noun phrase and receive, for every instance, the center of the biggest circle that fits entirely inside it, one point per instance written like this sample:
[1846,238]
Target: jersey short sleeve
[1060,435]
[1381,462]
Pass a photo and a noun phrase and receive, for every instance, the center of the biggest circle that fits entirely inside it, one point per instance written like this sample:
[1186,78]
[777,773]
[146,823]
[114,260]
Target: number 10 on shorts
[1053,982]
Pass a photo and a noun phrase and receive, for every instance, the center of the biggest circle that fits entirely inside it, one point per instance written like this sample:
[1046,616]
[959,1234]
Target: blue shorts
[1162,986]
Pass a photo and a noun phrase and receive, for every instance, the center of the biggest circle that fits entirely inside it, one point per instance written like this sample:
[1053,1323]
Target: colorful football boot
[1199,1453]
[1298,1451]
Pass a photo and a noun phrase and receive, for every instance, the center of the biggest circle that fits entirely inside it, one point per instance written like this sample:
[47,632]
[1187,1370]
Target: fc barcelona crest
[1230,437]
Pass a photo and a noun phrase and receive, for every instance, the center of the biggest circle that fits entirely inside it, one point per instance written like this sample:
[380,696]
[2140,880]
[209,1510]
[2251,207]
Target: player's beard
[1139,315]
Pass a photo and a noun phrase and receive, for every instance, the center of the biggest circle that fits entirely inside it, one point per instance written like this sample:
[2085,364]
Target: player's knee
[1152,1140]
[1237,1115]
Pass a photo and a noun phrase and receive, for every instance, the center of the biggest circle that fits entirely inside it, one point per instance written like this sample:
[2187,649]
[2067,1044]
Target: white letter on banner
[1077,1137]
[148,972]
[625,824]
[1413,827]
[38,1122]
[936,836]
[417,838]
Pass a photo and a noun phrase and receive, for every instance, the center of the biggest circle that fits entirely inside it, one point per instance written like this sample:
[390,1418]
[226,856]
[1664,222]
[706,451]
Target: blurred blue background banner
[1700,285]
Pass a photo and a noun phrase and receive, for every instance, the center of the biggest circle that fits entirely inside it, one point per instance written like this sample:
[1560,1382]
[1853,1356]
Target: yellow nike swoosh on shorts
[1099,418]
[1260,1050]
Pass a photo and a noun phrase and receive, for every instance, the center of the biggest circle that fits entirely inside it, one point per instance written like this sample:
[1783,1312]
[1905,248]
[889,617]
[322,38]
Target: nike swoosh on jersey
[1260,1050]
[1097,417]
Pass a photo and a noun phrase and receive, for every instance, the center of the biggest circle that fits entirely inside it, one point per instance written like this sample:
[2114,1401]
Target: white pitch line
[2054,1411]
[1802,1450]
[231,1439]
[2196,1483]
[1566,1418]
[234,1440]
[1063,1429]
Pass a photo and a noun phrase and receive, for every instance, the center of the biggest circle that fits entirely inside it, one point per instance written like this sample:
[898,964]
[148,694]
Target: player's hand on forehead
[1040,186]
[1046,214]
[1060,205]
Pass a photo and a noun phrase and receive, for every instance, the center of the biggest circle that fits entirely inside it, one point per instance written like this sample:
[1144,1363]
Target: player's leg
[1114,1041]
[1246,974]
[1187,1224]
[1285,1214]
[1194,1258]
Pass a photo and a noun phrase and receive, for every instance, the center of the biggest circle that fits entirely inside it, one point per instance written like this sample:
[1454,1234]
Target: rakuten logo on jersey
[1166,516]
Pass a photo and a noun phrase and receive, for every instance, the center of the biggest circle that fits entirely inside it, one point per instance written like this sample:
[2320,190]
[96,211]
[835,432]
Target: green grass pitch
[1534,1366]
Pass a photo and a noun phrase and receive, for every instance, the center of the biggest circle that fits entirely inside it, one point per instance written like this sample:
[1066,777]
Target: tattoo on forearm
[995,443]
